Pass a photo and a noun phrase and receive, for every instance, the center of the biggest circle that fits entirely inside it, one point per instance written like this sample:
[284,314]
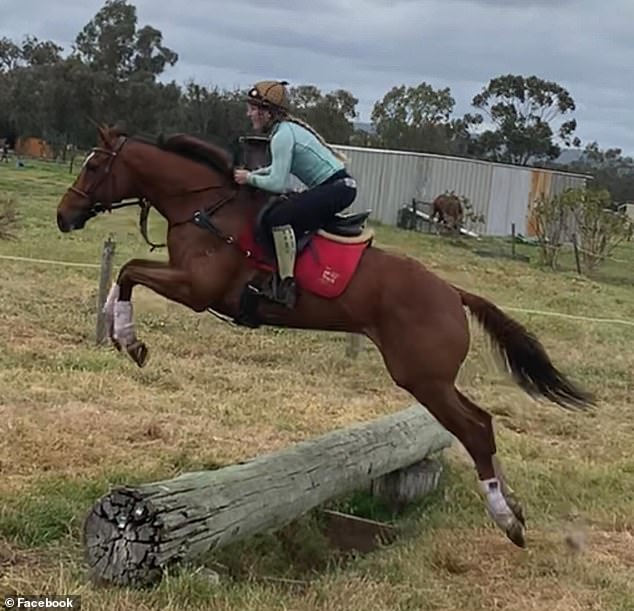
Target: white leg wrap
[123,325]
[498,506]
[113,296]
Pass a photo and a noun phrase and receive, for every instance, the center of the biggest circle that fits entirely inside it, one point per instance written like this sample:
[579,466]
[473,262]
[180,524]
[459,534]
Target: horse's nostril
[61,224]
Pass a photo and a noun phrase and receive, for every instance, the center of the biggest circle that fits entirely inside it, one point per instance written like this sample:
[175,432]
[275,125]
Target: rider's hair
[280,114]
[302,123]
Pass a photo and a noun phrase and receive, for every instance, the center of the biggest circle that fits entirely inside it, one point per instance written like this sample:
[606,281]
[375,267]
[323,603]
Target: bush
[585,213]
[8,217]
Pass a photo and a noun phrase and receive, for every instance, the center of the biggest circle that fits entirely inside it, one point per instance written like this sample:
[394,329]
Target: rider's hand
[240,176]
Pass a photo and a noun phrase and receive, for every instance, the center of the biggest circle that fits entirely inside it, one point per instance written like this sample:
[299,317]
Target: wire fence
[354,343]
[105,279]
[615,267]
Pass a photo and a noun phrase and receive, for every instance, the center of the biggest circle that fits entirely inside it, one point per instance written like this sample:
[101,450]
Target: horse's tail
[524,356]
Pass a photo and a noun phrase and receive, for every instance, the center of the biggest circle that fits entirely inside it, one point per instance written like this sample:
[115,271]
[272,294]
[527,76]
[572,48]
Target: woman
[296,148]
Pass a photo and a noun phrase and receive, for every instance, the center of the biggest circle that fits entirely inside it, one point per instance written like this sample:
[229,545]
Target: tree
[214,113]
[415,119]
[332,114]
[610,171]
[527,117]
[10,55]
[37,52]
[110,43]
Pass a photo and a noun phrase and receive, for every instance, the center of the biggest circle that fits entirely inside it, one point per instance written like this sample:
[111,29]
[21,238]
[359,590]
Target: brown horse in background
[416,319]
[447,208]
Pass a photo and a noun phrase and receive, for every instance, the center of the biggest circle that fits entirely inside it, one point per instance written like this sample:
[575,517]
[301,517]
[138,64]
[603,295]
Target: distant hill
[569,156]
[364,126]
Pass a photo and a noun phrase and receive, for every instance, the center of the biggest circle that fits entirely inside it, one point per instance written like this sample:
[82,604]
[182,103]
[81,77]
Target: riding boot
[283,289]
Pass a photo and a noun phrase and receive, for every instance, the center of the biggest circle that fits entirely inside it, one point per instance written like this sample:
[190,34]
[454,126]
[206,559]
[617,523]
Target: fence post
[513,240]
[577,261]
[105,279]
[354,345]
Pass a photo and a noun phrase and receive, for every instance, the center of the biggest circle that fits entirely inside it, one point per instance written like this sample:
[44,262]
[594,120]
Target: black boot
[279,291]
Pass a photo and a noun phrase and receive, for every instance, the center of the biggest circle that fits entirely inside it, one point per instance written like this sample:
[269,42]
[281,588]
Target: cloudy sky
[368,46]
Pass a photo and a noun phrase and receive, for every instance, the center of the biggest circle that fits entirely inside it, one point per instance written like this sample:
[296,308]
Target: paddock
[77,420]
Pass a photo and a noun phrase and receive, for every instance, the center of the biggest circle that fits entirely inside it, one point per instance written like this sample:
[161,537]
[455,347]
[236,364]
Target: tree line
[113,71]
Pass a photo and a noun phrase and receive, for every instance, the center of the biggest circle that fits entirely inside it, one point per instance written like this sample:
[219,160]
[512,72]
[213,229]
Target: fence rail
[354,342]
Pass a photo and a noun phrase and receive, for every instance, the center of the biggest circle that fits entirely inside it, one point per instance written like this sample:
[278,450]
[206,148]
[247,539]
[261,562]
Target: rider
[296,148]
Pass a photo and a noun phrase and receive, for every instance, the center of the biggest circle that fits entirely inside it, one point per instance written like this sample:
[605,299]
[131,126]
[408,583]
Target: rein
[201,218]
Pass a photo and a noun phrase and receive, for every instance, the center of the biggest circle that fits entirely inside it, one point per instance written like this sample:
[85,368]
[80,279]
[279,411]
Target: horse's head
[102,181]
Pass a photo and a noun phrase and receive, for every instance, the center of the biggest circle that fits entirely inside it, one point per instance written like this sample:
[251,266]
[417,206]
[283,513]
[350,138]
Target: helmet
[269,94]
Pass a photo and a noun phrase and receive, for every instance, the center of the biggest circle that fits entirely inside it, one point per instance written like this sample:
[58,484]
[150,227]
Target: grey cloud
[368,46]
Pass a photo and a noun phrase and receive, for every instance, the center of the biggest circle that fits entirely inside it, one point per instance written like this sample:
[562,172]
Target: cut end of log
[121,535]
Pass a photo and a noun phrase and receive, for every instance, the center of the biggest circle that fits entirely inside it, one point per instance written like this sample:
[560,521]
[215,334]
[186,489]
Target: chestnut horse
[416,319]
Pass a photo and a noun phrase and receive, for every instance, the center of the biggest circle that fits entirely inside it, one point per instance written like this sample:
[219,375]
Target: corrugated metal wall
[507,200]
[386,181]
[502,194]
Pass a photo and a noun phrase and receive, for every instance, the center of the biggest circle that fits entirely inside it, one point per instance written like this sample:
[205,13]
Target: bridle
[99,207]
[201,218]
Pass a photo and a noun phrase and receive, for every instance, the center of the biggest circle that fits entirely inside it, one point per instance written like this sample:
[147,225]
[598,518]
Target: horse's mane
[198,150]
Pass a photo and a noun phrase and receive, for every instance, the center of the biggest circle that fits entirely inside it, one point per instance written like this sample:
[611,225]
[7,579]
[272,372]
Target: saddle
[342,228]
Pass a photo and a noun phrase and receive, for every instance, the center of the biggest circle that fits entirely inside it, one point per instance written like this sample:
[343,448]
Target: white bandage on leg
[498,506]
[113,296]
[123,325]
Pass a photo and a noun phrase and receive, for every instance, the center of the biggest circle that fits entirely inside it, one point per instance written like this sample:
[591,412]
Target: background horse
[415,318]
[448,209]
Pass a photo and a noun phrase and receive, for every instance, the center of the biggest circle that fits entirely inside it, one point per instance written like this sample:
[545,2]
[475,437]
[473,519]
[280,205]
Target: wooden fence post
[576,247]
[353,346]
[105,279]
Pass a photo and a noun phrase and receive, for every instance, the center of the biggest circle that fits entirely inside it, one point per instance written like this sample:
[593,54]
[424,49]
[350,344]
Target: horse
[346,283]
[448,209]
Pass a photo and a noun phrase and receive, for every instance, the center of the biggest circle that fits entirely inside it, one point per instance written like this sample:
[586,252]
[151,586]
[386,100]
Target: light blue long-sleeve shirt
[295,150]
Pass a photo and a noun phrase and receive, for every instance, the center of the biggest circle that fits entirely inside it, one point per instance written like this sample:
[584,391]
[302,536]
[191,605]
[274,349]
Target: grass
[76,419]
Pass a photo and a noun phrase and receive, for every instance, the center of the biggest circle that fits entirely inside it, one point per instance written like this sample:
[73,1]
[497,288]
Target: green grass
[75,419]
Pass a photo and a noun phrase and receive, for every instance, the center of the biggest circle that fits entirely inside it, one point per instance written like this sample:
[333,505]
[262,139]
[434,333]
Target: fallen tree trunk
[133,533]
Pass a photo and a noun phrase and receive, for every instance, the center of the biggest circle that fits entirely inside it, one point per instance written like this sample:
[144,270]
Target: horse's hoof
[138,352]
[516,533]
[517,509]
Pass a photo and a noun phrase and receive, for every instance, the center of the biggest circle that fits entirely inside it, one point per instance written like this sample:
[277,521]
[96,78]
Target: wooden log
[133,533]
[403,486]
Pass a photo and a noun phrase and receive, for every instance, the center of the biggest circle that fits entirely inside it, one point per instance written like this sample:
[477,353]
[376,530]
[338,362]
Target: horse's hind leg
[474,430]
[431,382]
[507,491]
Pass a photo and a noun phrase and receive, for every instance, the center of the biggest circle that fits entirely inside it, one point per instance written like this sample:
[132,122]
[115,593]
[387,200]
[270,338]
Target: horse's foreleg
[172,283]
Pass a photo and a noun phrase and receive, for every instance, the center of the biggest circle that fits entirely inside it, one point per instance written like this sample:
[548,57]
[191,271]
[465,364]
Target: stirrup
[279,291]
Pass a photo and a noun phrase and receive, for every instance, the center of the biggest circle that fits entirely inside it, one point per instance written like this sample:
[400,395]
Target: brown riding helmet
[269,94]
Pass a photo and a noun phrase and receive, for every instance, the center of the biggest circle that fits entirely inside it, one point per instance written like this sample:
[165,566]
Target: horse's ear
[91,120]
[103,134]
[120,128]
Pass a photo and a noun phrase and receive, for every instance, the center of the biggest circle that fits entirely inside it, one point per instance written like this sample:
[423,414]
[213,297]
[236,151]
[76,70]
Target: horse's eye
[91,166]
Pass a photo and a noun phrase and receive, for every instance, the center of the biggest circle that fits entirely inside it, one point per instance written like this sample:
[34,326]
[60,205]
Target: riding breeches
[310,209]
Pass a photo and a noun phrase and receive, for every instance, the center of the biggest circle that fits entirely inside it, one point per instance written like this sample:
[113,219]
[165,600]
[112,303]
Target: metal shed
[501,193]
